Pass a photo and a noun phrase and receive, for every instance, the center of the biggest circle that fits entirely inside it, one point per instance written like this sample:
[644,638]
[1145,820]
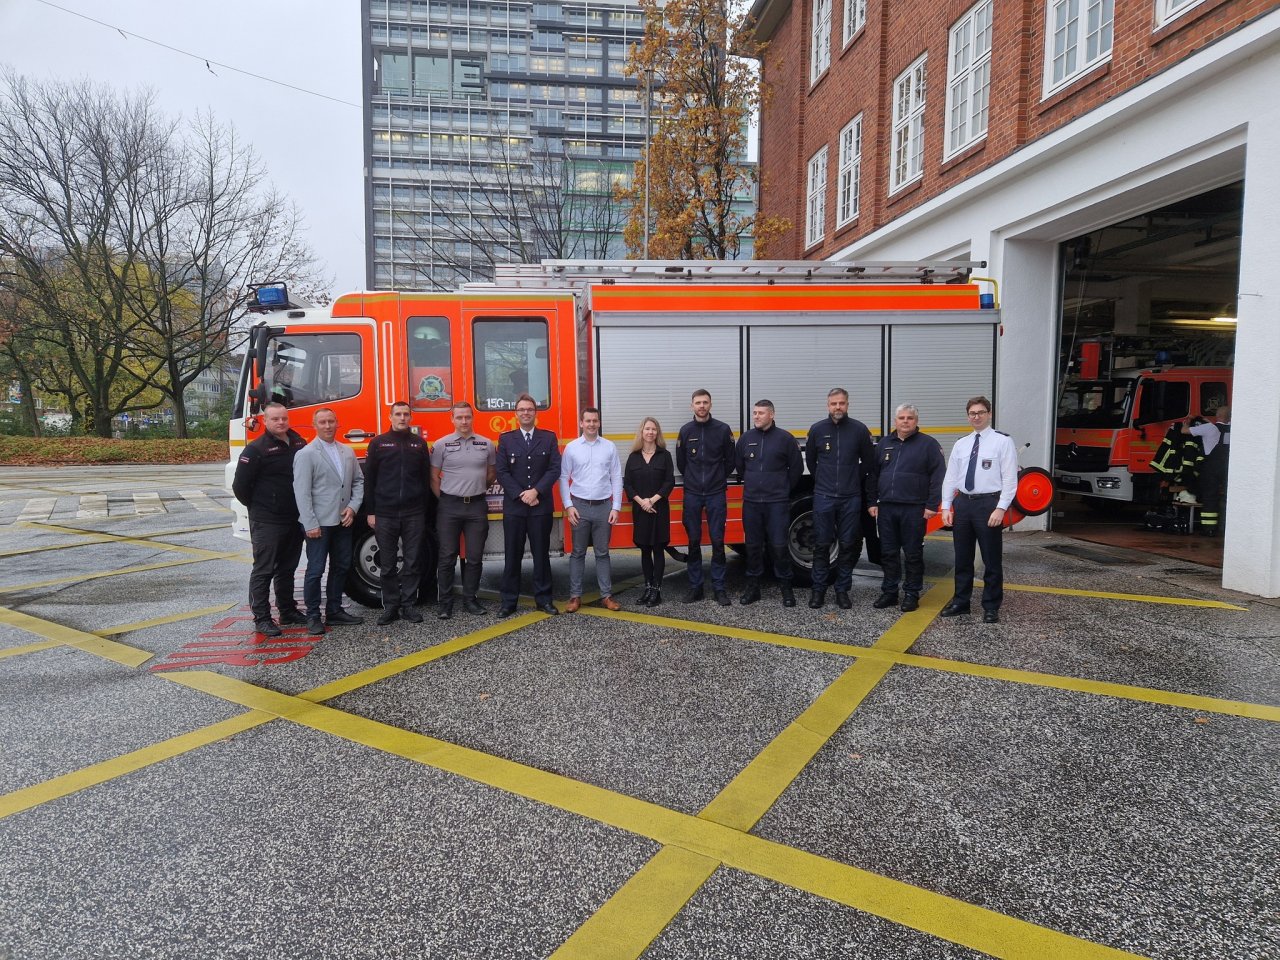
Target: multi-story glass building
[495,131]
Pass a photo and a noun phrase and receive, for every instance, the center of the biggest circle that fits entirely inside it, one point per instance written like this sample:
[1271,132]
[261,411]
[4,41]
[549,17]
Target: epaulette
[1001,432]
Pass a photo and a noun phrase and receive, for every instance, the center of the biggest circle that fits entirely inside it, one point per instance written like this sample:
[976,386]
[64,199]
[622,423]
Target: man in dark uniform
[705,458]
[769,462]
[462,469]
[264,483]
[528,467]
[397,475]
[838,452]
[906,490]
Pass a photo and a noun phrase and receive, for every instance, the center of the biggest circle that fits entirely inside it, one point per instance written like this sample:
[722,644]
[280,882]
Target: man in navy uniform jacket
[528,468]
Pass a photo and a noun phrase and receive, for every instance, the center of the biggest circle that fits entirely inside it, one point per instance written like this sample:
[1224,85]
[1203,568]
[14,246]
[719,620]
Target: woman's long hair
[639,442]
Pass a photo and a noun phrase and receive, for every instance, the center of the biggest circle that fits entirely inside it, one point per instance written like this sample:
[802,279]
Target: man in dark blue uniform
[769,462]
[528,467]
[906,490]
[838,452]
[264,483]
[705,458]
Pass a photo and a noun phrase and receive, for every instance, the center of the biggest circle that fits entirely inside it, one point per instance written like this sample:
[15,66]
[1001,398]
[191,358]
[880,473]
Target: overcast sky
[311,146]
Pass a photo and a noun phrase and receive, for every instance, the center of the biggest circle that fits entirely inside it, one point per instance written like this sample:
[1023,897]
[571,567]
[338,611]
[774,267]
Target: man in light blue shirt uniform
[591,491]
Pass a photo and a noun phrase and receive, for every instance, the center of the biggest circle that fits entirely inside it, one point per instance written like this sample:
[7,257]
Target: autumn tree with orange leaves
[692,64]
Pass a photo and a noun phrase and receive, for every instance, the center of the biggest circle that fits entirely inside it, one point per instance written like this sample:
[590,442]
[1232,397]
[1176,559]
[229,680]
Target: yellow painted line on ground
[69,783]
[84,541]
[161,621]
[29,648]
[1235,708]
[146,541]
[64,528]
[1135,597]
[123,571]
[88,642]
[898,902]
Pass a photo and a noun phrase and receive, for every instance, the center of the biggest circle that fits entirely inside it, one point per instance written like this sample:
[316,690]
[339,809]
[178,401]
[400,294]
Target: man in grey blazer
[329,486]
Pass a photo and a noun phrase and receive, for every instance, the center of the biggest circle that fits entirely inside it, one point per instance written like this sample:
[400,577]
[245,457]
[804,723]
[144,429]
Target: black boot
[788,596]
[817,597]
[752,593]
[646,596]
[655,598]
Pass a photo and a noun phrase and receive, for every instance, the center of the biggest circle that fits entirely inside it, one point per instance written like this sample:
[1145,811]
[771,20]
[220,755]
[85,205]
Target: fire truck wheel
[800,541]
[364,584]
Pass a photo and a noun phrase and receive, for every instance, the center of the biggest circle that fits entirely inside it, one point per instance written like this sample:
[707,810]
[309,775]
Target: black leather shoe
[655,598]
[341,616]
[693,596]
[750,595]
[445,610]
[315,626]
[788,597]
[267,628]
[722,598]
[990,616]
[910,602]
[646,596]
[817,598]
[389,615]
[954,610]
[843,601]
[293,617]
[473,606]
[548,608]
[506,611]
[410,614]
[886,600]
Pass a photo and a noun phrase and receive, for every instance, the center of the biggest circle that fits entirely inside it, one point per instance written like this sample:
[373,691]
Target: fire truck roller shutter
[938,367]
[651,372]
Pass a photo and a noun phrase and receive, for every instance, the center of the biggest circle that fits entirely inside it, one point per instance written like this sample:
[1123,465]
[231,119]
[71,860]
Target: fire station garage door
[796,366]
[651,371]
[938,367]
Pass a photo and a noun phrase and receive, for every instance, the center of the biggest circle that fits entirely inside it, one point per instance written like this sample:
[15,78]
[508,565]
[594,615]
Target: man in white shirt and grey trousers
[329,487]
[591,491]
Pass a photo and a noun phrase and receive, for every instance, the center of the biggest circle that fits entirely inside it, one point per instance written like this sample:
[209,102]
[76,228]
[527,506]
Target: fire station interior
[1154,291]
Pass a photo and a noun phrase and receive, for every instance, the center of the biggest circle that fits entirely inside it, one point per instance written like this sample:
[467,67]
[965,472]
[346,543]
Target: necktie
[971,473]
[528,438]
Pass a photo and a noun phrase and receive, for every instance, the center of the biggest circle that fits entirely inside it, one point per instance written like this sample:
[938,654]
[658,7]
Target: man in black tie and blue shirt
[528,466]
[981,480]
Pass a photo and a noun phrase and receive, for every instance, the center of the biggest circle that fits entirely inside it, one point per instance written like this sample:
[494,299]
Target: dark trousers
[277,548]
[397,537]
[902,529]
[836,520]
[765,525]
[716,508]
[468,522]
[516,529]
[970,529]
[333,545]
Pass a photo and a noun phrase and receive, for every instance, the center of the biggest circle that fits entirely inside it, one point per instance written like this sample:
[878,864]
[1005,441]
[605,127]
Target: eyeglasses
[975,414]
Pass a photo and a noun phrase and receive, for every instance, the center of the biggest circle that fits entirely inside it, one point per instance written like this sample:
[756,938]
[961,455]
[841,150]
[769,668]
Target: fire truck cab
[634,338]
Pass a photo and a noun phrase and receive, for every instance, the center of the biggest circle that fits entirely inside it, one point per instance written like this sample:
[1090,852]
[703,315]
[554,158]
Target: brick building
[1115,162]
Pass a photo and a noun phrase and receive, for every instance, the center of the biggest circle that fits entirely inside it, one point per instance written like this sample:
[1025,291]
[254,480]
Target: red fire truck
[634,338]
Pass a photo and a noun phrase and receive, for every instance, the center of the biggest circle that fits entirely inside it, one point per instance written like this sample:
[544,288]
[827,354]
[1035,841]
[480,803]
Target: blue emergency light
[271,296]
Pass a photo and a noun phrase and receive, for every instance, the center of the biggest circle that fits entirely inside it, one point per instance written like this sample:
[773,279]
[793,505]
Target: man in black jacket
[528,466]
[839,454]
[907,485]
[397,475]
[769,462]
[705,457]
[264,483]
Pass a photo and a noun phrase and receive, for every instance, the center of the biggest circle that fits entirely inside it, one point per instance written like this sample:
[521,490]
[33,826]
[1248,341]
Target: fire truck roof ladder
[562,273]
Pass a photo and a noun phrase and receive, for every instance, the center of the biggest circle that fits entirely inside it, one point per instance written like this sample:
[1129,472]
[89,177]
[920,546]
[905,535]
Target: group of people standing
[298,492]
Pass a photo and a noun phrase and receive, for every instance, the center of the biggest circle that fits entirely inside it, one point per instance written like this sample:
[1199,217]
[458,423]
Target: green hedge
[31,451]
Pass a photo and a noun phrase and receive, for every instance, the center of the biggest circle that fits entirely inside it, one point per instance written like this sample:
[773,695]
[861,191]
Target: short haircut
[978,402]
[586,410]
[837,392]
[401,403]
[767,404]
[461,405]
[523,397]
[701,392]
[316,416]
[909,408]
[275,403]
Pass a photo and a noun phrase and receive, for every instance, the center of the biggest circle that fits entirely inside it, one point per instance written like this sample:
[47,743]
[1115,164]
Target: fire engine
[634,338]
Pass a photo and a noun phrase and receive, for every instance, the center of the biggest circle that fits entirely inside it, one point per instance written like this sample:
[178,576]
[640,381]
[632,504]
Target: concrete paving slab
[745,917]
[64,709]
[670,718]
[271,845]
[1138,826]
[56,564]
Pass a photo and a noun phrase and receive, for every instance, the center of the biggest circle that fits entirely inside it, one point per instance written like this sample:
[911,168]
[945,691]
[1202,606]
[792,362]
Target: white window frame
[1079,35]
[815,221]
[906,155]
[968,79]
[1168,11]
[848,190]
[820,40]
[855,18]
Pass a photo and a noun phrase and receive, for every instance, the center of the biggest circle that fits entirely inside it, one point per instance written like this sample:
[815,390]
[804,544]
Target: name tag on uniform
[453,444]
[986,464]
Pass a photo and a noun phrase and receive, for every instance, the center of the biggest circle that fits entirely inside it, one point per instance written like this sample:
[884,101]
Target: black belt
[976,496]
[454,496]
[594,503]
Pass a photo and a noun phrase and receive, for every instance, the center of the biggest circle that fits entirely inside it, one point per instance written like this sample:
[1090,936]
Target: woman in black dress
[648,480]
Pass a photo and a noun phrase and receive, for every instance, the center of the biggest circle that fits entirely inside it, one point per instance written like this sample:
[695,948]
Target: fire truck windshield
[511,359]
[1095,403]
[313,368]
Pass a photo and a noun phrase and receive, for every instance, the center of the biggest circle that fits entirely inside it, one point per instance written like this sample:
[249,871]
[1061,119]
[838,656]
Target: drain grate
[1093,556]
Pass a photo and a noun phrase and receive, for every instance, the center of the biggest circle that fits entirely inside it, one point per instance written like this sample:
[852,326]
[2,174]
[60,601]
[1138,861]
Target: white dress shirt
[591,470]
[997,468]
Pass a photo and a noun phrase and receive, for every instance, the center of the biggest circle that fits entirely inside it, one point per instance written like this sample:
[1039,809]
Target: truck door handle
[358,435]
